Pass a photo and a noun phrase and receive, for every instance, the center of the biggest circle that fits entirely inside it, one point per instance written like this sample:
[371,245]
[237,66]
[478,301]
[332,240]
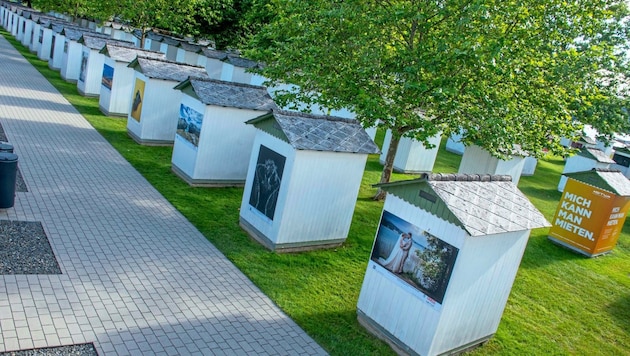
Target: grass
[560,303]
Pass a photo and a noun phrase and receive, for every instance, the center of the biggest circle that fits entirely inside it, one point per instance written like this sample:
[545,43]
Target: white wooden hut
[118,79]
[36,40]
[154,112]
[27,28]
[124,33]
[621,156]
[529,166]
[91,74]
[213,143]
[303,180]
[476,160]
[412,156]
[454,143]
[189,53]
[14,20]
[169,46]
[474,244]
[72,53]
[3,15]
[213,61]
[586,159]
[54,47]
[45,40]
[22,13]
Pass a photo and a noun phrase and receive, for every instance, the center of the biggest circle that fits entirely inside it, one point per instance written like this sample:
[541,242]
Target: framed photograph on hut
[84,59]
[136,100]
[414,255]
[267,180]
[189,124]
[108,76]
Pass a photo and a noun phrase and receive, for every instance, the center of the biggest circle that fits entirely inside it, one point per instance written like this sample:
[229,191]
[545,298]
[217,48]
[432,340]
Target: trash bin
[6,147]
[8,177]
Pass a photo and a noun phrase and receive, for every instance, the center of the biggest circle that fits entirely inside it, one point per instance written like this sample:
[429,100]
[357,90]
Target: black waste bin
[8,177]
[6,147]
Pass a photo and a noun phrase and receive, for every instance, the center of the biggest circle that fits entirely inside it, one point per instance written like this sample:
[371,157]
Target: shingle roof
[191,47]
[167,70]
[230,94]
[321,132]
[611,180]
[99,41]
[128,54]
[154,36]
[74,33]
[480,204]
[596,154]
[239,61]
[213,53]
[170,41]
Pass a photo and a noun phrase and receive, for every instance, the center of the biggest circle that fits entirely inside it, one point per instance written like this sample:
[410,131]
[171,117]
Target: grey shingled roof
[596,154]
[170,41]
[321,132]
[190,47]
[239,61]
[154,36]
[611,180]
[215,54]
[128,54]
[167,70]
[480,204]
[74,33]
[99,41]
[230,94]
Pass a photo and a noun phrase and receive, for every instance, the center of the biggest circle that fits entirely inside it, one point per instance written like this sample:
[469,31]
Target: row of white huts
[448,246]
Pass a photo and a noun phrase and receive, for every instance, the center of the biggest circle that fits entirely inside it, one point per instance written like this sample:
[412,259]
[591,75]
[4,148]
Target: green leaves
[506,72]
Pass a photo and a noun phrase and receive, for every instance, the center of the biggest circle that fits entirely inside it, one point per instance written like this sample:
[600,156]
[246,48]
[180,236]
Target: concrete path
[137,277]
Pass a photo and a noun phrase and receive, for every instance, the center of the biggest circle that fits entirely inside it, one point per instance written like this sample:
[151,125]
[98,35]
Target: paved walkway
[137,277]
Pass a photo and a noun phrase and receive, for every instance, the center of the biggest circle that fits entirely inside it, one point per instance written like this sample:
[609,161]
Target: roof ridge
[314,116]
[231,83]
[463,177]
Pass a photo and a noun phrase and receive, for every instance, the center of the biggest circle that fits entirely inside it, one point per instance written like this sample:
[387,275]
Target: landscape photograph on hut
[189,124]
[414,256]
[267,180]
[108,76]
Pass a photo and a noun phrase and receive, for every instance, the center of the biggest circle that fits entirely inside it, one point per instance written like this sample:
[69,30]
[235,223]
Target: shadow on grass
[619,312]
[541,252]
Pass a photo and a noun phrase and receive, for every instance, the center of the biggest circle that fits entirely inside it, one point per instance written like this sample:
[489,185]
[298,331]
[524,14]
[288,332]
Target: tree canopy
[505,72]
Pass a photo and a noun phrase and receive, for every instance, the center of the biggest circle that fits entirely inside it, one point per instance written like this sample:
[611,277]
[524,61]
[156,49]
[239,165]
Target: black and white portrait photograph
[267,179]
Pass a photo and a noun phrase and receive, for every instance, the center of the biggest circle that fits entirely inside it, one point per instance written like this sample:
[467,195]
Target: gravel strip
[24,249]
[20,185]
[78,350]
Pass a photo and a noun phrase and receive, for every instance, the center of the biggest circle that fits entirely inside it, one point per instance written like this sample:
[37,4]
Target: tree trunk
[388,167]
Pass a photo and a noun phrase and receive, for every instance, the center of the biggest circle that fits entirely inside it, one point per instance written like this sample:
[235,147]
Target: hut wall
[185,154]
[160,108]
[27,36]
[36,39]
[214,67]
[240,75]
[455,145]
[397,307]
[3,16]
[479,289]
[478,161]
[322,192]
[21,28]
[91,86]
[57,51]
[45,45]
[249,216]
[117,101]
[171,53]
[92,25]
[529,166]
[15,20]
[225,144]
[227,72]
[183,56]
[71,62]
[147,43]
[412,156]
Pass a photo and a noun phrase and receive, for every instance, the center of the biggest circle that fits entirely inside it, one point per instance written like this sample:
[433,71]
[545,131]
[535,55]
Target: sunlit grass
[561,303]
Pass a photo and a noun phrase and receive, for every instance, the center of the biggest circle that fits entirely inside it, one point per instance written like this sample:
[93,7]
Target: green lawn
[561,303]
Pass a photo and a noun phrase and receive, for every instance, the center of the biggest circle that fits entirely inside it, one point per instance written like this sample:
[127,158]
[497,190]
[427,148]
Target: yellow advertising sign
[588,219]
